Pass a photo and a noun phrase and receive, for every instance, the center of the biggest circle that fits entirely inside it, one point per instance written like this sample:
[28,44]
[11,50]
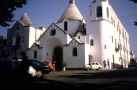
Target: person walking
[104,62]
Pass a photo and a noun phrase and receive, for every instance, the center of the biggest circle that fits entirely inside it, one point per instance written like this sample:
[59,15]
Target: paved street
[121,79]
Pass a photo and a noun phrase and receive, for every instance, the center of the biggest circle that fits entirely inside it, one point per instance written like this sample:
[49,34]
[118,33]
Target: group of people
[106,64]
[10,65]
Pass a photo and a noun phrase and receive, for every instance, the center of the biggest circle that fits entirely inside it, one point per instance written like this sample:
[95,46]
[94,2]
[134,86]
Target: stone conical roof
[3,36]
[25,21]
[71,13]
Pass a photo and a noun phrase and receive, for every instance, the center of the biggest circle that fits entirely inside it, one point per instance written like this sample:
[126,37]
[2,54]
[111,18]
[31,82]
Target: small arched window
[78,37]
[99,11]
[17,27]
[22,38]
[35,54]
[107,12]
[53,32]
[74,51]
[18,41]
[114,23]
[91,42]
[65,25]
[111,20]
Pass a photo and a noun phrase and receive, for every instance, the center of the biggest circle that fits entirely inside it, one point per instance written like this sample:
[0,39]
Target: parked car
[50,65]
[40,68]
[130,65]
[93,66]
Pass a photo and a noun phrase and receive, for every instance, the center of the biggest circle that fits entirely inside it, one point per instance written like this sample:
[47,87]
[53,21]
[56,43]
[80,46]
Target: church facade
[73,39]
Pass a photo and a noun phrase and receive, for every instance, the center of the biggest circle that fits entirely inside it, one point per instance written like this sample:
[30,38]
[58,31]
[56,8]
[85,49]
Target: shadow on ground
[45,84]
[122,73]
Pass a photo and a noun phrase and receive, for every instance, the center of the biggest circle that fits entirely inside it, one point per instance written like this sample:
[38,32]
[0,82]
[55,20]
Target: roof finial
[71,1]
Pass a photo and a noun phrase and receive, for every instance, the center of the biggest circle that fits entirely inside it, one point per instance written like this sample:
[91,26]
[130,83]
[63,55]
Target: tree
[135,1]
[6,10]
[3,41]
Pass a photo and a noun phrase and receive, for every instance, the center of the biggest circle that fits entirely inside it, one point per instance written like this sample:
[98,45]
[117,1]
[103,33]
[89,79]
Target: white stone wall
[32,36]
[82,37]
[102,30]
[94,30]
[74,61]
[30,53]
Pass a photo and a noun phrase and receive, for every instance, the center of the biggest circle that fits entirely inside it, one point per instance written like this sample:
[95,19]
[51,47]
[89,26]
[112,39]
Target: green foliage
[3,41]
[6,10]
[135,23]
[135,1]
[63,64]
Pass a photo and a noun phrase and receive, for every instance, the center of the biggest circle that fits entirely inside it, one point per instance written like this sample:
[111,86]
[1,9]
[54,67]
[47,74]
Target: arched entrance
[57,58]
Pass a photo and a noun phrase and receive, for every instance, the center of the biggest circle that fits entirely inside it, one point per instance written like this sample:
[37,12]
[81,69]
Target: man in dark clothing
[25,63]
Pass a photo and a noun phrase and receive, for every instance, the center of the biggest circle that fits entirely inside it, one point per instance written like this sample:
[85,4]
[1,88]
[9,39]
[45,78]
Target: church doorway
[57,58]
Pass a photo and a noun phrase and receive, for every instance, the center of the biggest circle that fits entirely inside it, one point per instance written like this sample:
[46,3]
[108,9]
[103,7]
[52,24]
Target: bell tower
[71,1]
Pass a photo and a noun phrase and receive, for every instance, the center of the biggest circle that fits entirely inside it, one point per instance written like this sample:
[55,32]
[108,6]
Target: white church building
[73,39]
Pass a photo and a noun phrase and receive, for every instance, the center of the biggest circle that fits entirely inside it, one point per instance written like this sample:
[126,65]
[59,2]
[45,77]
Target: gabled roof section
[80,29]
[78,41]
[57,27]
[25,21]
[71,13]
[36,45]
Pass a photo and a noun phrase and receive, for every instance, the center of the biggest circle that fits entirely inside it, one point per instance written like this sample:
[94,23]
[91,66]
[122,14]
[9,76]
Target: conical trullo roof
[71,13]
[25,21]
[3,36]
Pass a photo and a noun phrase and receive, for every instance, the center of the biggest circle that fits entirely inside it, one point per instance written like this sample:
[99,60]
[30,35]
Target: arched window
[78,37]
[115,43]
[65,25]
[74,51]
[114,23]
[35,54]
[18,41]
[22,38]
[91,42]
[17,27]
[107,12]
[111,20]
[99,11]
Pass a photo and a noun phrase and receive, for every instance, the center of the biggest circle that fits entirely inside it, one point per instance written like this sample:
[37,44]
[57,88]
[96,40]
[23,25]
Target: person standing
[104,62]
[25,63]
[24,56]
[9,68]
[9,62]
[108,64]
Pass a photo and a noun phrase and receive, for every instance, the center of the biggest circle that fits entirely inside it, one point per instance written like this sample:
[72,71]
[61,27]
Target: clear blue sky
[43,12]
